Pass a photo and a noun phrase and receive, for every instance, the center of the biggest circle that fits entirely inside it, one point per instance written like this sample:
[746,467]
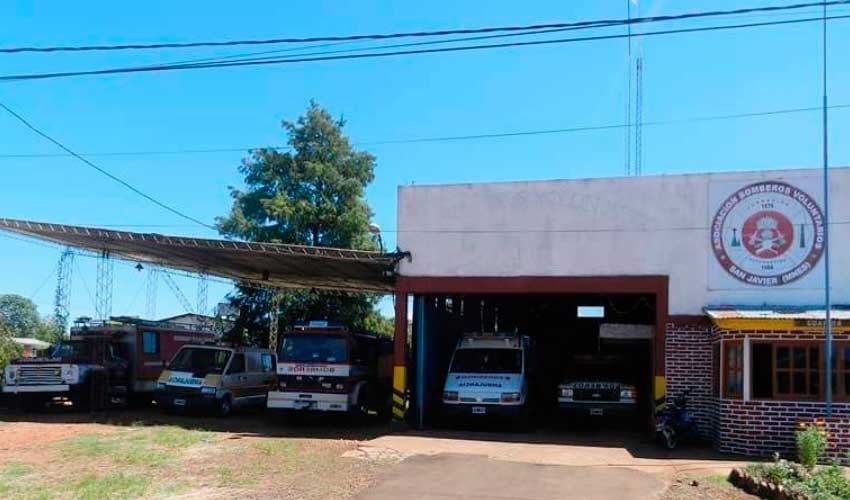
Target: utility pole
[63,289]
[826,292]
[103,290]
[639,116]
[628,137]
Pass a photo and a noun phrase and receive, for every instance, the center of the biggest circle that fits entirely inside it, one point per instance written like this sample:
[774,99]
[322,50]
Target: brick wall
[761,428]
[755,428]
[687,355]
[838,430]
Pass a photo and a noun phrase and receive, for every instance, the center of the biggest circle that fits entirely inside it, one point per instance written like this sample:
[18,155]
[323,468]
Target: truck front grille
[608,394]
[39,375]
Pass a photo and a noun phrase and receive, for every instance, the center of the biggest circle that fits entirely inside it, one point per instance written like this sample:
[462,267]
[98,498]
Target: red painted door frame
[458,285]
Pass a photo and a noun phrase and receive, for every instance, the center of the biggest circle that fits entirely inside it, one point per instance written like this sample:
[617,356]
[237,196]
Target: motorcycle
[674,422]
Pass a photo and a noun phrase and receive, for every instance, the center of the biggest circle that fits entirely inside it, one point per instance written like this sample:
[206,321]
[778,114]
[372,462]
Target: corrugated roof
[264,264]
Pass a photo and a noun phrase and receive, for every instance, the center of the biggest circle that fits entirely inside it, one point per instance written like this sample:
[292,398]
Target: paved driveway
[449,476]
[538,466]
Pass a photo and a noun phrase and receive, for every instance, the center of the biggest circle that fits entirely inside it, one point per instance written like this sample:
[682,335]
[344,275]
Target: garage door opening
[592,343]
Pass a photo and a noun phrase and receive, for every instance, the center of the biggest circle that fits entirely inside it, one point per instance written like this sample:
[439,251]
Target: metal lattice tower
[63,289]
[274,315]
[152,284]
[203,292]
[187,306]
[103,289]
[639,117]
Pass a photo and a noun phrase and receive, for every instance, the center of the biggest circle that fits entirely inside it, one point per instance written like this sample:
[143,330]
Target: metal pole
[826,291]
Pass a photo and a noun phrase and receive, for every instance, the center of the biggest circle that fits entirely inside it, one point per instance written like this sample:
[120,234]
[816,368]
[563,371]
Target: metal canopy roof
[264,264]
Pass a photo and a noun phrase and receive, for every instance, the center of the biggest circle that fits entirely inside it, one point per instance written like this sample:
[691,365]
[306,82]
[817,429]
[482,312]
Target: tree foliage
[311,195]
[19,316]
[8,349]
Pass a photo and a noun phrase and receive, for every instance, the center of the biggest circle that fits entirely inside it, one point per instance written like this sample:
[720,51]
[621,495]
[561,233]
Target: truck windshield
[200,360]
[314,349]
[602,369]
[487,361]
[72,349]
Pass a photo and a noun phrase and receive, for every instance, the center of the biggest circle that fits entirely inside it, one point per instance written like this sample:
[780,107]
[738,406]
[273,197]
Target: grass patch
[146,447]
[718,479]
[114,485]
[15,470]
[13,479]
[277,447]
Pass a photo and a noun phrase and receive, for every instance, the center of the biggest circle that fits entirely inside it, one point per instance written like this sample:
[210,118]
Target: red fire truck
[326,368]
[101,364]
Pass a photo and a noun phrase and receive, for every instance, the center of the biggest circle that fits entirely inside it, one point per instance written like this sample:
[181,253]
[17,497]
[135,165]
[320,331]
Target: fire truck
[101,364]
[327,368]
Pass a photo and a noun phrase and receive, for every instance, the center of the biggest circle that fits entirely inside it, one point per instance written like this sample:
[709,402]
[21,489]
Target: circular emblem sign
[768,234]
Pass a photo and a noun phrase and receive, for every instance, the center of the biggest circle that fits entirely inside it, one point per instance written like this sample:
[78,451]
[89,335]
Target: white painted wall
[656,225]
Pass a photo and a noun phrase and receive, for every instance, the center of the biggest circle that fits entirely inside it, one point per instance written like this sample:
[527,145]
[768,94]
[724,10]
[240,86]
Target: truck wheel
[225,406]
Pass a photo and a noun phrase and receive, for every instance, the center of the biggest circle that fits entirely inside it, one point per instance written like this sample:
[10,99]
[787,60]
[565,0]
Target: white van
[218,378]
[488,376]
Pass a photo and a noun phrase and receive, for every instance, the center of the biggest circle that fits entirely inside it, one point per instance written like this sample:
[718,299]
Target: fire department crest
[768,234]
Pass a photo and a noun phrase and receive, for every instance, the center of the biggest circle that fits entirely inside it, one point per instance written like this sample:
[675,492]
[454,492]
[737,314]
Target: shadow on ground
[638,443]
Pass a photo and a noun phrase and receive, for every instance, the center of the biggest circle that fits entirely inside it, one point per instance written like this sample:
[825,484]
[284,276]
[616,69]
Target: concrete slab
[448,476]
[625,450]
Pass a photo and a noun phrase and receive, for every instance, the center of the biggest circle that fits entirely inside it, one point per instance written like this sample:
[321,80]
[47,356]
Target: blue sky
[555,86]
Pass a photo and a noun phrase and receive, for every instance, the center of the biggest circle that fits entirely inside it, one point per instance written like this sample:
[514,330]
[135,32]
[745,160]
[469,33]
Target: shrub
[827,483]
[811,444]
[780,472]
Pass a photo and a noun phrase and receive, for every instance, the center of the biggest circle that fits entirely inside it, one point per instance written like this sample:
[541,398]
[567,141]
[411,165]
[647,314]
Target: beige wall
[601,227]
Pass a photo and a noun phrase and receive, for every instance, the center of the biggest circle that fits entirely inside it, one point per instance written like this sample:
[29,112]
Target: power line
[103,171]
[347,38]
[450,138]
[463,48]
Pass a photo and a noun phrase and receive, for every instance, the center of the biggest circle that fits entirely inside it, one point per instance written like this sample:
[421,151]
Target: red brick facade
[688,354]
[757,428]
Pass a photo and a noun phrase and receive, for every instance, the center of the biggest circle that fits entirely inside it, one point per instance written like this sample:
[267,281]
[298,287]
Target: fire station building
[728,269]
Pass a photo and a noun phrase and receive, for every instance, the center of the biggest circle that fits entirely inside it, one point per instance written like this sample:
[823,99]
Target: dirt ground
[147,454]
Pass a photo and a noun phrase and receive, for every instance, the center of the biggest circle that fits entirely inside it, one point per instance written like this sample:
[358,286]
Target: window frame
[807,370]
[738,369]
[842,370]
[233,358]
[157,343]
[271,367]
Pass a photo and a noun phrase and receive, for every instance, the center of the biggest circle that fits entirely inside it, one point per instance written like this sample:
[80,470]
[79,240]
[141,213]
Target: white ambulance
[488,376]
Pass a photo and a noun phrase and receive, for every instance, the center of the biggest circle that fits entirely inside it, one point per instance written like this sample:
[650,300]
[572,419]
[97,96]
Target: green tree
[19,315]
[310,195]
[8,349]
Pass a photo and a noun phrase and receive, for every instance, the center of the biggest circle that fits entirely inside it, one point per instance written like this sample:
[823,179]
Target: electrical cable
[496,135]
[43,283]
[103,171]
[273,41]
[463,48]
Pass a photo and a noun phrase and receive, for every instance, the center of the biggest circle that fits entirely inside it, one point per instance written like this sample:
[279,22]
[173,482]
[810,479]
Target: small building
[727,269]
[198,321]
[31,347]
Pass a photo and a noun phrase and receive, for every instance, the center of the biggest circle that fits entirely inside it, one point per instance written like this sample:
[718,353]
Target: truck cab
[488,376]
[99,365]
[326,368]
[598,386]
